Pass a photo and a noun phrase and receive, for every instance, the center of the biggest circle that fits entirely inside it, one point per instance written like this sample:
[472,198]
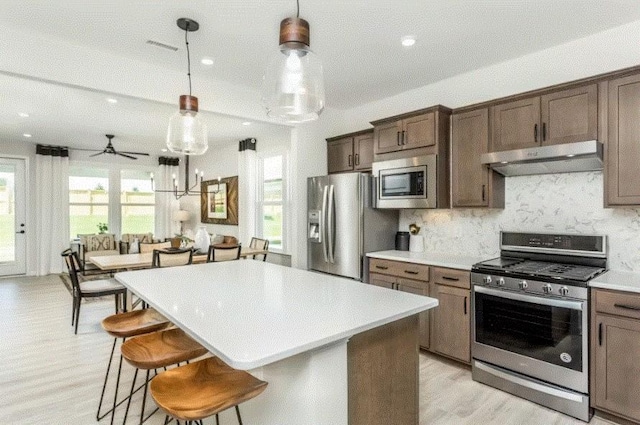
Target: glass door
[13,236]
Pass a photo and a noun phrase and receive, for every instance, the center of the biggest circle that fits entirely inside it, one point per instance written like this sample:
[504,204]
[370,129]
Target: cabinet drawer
[619,303]
[452,277]
[399,269]
[421,287]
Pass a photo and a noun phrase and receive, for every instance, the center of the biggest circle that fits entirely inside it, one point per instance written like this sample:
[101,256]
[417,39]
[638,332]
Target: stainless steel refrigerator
[343,225]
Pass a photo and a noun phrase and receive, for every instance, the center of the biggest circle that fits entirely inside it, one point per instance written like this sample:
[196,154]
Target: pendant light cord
[298,8]
[186,41]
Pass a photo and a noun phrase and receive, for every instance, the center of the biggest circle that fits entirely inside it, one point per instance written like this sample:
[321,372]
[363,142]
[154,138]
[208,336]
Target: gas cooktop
[508,266]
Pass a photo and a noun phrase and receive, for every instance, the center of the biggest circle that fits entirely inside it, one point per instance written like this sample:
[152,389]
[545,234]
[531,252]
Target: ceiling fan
[111,150]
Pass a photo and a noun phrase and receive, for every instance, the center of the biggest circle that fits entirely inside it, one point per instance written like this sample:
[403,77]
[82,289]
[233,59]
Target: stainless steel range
[530,318]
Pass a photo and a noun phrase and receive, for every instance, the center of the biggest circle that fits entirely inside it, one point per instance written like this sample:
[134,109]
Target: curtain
[247,190]
[166,203]
[52,207]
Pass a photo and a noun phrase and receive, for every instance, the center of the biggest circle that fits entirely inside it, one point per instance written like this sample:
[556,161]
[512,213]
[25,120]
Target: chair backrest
[262,244]
[73,266]
[223,253]
[169,258]
[142,237]
[98,242]
[149,247]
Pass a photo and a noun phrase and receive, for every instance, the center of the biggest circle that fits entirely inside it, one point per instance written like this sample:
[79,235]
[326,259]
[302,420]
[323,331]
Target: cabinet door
[420,288]
[419,131]
[570,115]
[363,151]
[623,157]
[469,140]
[617,357]
[387,137]
[516,125]
[451,322]
[340,155]
[382,280]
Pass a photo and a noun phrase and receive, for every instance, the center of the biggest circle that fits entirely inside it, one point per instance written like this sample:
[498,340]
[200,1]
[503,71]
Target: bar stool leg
[106,377]
[238,414]
[133,385]
[115,395]
[144,397]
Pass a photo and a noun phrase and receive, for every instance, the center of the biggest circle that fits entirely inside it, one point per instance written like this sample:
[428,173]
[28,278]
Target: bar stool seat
[133,323]
[204,388]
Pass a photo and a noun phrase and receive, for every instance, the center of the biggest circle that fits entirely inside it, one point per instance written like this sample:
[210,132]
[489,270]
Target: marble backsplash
[562,203]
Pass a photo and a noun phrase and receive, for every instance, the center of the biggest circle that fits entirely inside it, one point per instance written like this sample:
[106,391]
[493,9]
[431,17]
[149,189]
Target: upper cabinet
[418,129]
[474,184]
[350,152]
[562,116]
[623,145]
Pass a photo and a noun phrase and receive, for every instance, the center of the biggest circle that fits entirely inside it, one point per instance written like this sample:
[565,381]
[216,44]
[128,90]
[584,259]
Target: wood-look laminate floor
[48,375]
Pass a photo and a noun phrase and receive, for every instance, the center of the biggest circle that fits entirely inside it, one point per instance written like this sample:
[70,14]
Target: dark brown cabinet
[623,145]
[350,152]
[615,345]
[474,184]
[451,320]
[562,116]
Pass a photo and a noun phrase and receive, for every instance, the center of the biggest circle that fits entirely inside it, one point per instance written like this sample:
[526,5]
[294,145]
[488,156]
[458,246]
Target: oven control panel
[532,287]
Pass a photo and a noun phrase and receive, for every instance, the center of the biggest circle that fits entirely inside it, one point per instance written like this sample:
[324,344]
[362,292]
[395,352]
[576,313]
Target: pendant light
[293,85]
[187,133]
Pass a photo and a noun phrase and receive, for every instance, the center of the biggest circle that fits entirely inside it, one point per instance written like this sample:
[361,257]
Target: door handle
[331,226]
[483,187]
[349,160]
[410,272]
[535,133]
[398,138]
[544,131]
[323,224]
[403,141]
[465,306]
[600,334]
[453,279]
[627,307]
[21,231]
[357,159]
[382,267]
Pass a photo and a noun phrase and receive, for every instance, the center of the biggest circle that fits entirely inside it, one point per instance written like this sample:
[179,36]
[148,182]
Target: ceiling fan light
[293,84]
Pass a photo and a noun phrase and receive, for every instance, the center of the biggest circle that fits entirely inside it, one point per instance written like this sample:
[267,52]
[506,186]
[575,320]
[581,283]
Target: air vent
[162,45]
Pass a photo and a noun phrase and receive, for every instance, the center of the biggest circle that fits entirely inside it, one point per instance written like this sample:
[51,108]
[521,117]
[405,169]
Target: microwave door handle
[323,224]
[331,230]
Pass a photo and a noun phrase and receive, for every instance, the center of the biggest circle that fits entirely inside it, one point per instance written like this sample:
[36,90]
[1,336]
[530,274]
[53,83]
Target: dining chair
[172,257]
[262,244]
[128,238]
[221,252]
[149,247]
[95,245]
[90,288]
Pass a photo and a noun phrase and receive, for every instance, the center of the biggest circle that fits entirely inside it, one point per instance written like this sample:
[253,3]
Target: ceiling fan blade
[96,154]
[125,155]
[135,153]
[88,150]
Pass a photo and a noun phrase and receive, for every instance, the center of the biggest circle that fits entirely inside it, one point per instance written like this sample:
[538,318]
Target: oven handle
[572,305]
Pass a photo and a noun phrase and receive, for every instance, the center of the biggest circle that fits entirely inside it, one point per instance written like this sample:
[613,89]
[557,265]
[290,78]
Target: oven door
[542,337]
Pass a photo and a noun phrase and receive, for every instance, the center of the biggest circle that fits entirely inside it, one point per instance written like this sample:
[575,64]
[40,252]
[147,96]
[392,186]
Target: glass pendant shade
[293,85]
[187,133]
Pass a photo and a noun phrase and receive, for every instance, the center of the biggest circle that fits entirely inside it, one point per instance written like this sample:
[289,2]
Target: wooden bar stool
[126,325]
[156,351]
[202,389]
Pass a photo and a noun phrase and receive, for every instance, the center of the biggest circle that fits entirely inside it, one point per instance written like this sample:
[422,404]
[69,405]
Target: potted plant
[102,228]
[180,240]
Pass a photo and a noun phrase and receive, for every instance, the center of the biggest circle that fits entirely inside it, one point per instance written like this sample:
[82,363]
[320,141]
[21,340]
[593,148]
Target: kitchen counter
[617,281]
[438,259]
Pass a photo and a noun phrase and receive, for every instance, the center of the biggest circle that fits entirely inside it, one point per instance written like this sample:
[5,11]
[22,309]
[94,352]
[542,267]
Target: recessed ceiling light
[27,135]
[164,150]
[112,100]
[23,114]
[207,61]
[408,40]
[246,123]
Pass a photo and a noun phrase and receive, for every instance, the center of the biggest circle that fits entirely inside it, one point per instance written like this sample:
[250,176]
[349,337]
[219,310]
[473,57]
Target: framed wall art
[219,201]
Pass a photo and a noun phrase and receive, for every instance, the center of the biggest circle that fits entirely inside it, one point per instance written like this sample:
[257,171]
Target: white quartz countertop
[252,313]
[430,258]
[617,280]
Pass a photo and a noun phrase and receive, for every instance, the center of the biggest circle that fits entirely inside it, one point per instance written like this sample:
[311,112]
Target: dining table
[333,350]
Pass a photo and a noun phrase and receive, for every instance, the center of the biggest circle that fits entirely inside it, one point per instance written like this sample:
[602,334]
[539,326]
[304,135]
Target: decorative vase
[135,246]
[202,240]
[416,243]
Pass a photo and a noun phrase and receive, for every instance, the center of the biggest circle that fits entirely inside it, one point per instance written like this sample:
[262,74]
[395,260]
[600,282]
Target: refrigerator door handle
[323,224]
[331,230]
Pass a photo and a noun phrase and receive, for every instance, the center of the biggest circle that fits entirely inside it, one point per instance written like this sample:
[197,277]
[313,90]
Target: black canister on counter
[402,241]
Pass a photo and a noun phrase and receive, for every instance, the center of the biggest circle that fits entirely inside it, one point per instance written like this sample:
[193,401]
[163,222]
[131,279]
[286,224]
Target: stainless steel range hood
[564,158]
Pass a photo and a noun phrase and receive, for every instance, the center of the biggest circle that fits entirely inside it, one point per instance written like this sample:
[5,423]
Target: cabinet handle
[465,306]
[357,159]
[410,272]
[349,159]
[483,190]
[544,131]
[535,133]
[453,279]
[398,138]
[600,334]
[627,307]
[382,267]
[403,141]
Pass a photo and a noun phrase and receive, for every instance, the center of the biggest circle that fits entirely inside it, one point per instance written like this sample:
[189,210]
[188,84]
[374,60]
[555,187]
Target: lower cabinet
[445,329]
[615,348]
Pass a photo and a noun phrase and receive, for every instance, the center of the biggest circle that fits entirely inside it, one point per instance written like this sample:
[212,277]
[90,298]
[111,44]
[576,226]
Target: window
[137,202]
[88,199]
[272,201]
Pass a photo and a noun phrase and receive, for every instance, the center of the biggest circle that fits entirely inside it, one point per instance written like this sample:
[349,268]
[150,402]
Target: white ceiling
[358,42]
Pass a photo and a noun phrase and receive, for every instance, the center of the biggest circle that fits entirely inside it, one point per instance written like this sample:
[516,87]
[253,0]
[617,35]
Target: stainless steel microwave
[407,182]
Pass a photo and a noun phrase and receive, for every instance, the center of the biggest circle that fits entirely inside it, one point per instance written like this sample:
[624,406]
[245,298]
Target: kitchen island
[334,351]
